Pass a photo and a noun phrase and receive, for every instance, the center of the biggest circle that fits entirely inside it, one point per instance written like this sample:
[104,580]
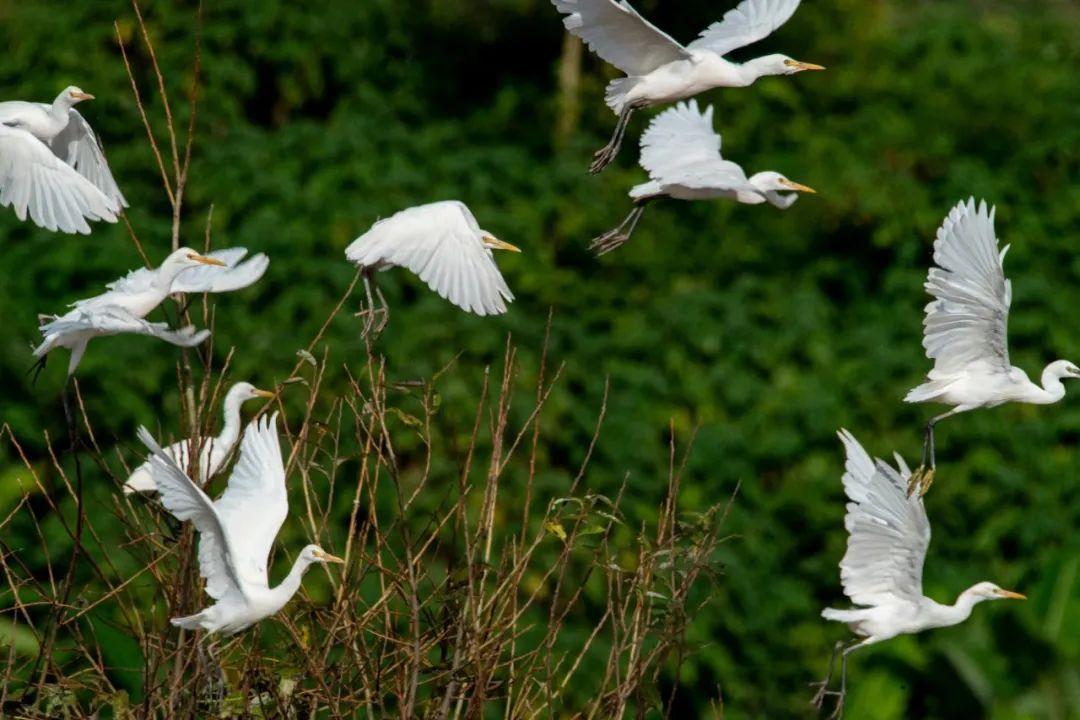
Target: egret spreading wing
[750,21]
[619,35]
[79,147]
[680,146]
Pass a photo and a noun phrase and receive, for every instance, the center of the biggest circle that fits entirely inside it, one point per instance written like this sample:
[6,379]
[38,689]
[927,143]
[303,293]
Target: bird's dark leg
[603,157]
[36,368]
[838,712]
[215,689]
[923,477]
[368,313]
[823,686]
[384,311]
[614,239]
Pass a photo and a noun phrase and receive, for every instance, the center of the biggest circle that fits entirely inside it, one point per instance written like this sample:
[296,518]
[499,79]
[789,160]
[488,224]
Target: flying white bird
[53,167]
[444,245]
[888,535]
[130,299]
[681,152]
[236,531]
[659,69]
[212,451]
[966,330]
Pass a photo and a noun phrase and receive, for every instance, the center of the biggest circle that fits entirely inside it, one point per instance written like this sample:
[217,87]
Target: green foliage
[763,331]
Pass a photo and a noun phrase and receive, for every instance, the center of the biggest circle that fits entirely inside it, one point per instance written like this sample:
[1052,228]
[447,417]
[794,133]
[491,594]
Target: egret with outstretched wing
[966,330]
[888,535]
[445,246]
[52,166]
[237,531]
[681,152]
[212,451]
[659,69]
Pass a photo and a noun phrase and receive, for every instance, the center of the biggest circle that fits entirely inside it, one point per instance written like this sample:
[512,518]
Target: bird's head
[493,243]
[243,391]
[188,258]
[775,182]
[73,95]
[783,65]
[315,554]
[1064,369]
[990,591]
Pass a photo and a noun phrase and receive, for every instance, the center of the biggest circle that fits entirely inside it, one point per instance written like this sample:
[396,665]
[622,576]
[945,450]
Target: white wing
[187,501]
[747,23]
[441,243]
[79,147]
[681,147]
[888,532]
[615,32]
[33,180]
[968,322]
[215,279]
[113,320]
[254,504]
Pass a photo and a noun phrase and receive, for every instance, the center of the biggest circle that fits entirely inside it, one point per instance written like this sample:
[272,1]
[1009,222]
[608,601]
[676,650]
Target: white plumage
[966,329]
[236,532]
[127,301]
[681,152]
[444,245]
[52,166]
[212,451]
[659,69]
[888,536]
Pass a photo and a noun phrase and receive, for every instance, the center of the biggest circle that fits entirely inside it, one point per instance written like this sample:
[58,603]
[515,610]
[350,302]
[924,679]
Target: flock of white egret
[53,169]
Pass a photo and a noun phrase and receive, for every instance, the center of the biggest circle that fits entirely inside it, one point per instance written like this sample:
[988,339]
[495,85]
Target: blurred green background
[766,330]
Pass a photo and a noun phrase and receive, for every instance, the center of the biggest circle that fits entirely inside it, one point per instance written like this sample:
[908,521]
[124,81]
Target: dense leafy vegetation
[760,331]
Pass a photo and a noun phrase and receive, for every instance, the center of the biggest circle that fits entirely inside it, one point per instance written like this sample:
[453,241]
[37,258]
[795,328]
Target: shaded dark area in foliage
[762,331]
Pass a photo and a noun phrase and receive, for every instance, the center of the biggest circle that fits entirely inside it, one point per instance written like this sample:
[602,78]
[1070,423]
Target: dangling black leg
[605,155]
[618,237]
[823,686]
[368,313]
[384,310]
[838,713]
[36,368]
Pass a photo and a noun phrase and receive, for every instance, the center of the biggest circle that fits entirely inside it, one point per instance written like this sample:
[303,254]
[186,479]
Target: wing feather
[618,34]
[681,147]
[79,147]
[750,21]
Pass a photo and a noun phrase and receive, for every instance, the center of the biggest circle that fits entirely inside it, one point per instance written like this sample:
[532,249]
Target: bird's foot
[838,711]
[609,241]
[601,159]
[823,692]
[375,320]
[915,482]
[927,481]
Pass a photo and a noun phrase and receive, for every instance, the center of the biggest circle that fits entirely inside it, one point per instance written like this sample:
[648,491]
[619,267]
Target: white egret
[236,531]
[130,299]
[444,245]
[681,152]
[212,451]
[661,70]
[888,535]
[52,165]
[966,330]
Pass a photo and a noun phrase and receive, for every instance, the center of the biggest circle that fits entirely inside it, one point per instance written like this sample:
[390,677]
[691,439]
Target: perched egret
[444,245]
[888,535]
[681,152]
[659,69]
[130,299]
[212,451]
[966,330]
[236,531]
[52,165]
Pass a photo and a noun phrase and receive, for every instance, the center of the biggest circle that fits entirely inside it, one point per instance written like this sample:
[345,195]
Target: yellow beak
[327,557]
[496,244]
[798,187]
[264,394]
[1012,595]
[82,96]
[207,260]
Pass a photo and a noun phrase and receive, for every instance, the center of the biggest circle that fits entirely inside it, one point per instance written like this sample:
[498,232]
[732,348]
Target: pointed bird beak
[82,95]
[1011,595]
[207,260]
[328,558]
[496,244]
[264,394]
[798,187]
[800,66]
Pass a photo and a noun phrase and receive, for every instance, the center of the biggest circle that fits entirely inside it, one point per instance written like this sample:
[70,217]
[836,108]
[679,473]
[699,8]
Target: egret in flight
[212,451]
[659,69]
[129,300]
[444,245]
[681,152]
[52,165]
[888,535]
[236,531]
[966,330]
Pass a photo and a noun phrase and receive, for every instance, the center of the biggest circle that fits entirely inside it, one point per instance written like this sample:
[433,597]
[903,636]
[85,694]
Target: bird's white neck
[291,584]
[1053,390]
[230,429]
[751,70]
[166,275]
[958,612]
[59,110]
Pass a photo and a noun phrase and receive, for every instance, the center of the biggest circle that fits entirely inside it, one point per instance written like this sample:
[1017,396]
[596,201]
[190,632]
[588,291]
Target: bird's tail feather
[930,390]
[843,615]
[617,90]
[191,622]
